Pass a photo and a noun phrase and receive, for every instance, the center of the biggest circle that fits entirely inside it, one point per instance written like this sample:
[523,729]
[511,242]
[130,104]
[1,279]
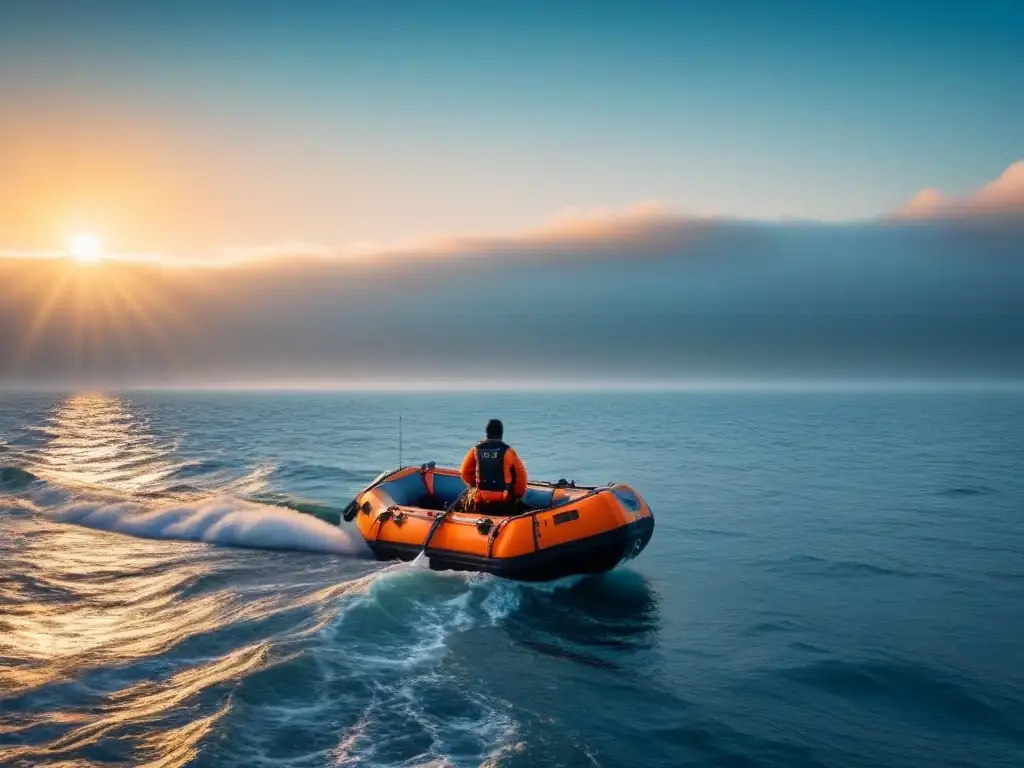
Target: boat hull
[593,555]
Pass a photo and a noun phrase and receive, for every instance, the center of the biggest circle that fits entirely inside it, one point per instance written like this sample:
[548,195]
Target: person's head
[494,429]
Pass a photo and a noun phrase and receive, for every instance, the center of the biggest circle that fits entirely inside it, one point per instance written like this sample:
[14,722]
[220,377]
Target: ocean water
[835,579]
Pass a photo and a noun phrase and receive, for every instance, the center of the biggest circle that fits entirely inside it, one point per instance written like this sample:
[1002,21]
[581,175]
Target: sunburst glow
[85,247]
[96,312]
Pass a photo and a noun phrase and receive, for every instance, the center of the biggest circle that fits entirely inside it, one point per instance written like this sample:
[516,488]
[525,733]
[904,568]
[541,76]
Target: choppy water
[834,580]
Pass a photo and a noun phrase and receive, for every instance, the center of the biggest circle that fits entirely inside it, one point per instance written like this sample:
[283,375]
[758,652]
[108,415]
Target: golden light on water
[97,440]
[70,615]
[134,628]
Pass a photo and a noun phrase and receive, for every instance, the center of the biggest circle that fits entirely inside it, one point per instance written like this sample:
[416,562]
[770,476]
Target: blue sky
[398,120]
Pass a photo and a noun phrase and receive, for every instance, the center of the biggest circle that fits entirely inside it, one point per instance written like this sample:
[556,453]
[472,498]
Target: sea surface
[835,579]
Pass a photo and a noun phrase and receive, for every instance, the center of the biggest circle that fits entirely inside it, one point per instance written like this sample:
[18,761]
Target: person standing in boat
[494,473]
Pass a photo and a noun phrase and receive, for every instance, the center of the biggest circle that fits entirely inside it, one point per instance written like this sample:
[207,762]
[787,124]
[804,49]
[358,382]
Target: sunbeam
[99,310]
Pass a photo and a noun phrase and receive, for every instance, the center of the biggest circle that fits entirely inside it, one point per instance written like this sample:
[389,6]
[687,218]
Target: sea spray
[222,520]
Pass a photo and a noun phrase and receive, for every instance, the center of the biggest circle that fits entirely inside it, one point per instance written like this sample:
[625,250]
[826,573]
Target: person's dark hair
[495,430]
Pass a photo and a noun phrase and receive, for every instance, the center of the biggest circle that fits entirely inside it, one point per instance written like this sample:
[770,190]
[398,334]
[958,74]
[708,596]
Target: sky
[404,157]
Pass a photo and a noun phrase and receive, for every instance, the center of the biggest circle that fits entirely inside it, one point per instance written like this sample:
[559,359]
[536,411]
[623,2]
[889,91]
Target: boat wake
[221,518]
[97,462]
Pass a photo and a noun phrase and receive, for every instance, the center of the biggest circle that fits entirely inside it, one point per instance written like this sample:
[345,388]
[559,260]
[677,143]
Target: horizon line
[783,384]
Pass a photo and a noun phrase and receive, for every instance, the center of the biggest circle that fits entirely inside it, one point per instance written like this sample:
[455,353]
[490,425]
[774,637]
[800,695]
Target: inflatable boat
[560,529]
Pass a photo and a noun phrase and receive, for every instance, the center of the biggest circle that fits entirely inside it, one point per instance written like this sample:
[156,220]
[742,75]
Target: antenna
[399,440]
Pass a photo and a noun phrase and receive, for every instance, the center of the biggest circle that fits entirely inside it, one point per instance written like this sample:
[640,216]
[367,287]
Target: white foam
[44,495]
[420,562]
[502,601]
[223,520]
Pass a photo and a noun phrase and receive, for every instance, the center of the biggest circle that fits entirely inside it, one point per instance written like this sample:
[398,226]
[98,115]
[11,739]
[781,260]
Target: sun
[85,247]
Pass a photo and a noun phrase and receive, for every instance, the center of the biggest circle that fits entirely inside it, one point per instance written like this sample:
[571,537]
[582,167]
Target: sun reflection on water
[85,600]
[96,439]
[121,647]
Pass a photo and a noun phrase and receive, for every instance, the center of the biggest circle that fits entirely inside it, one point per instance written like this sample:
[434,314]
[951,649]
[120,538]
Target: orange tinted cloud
[1005,195]
[573,227]
[643,224]
[578,224]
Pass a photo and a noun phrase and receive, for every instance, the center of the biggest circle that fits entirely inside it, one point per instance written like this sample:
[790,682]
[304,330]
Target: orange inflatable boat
[561,530]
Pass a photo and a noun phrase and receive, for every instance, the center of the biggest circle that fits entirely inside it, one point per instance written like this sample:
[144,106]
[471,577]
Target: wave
[967,490]
[812,565]
[15,478]
[304,471]
[326,512]
[588,620]
[403,633]
[220,520]
[901,684]
[220,517]
[397,634]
